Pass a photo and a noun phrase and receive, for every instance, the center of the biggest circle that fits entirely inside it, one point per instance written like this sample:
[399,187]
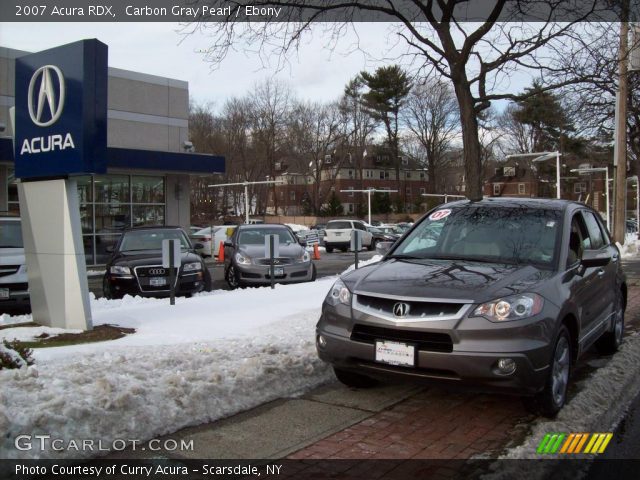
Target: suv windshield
[509,235]
[256,236]
[10,234]
[137,240]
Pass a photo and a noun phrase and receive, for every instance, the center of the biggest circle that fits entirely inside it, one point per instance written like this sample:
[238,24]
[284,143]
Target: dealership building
[149,158]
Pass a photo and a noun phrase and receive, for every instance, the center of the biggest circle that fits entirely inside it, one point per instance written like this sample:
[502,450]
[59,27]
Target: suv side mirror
[228,243]
[109,248]
[198,246]
[594,258]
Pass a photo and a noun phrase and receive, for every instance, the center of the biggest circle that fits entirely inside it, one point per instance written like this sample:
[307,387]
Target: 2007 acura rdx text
[505,295]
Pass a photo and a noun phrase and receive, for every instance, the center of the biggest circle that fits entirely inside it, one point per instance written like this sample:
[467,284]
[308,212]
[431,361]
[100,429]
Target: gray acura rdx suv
[507,294]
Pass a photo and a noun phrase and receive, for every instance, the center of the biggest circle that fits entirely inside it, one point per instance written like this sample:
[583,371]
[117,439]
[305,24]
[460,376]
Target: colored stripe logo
[574,443]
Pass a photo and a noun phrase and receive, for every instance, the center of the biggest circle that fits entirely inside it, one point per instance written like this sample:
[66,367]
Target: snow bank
[28,334]
[6,319]
[203,359]
[630,247]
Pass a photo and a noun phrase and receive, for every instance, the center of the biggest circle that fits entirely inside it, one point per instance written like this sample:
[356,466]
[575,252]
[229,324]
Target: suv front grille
[427,341]
[416,308]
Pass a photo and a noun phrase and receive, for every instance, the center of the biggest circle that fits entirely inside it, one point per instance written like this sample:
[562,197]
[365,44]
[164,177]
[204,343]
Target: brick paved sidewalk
[439,424]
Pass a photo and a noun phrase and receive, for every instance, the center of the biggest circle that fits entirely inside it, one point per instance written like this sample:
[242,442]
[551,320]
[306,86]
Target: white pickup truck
[338,234]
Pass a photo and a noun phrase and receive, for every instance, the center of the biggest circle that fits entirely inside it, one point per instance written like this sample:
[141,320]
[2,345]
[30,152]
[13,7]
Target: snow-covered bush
[14,355]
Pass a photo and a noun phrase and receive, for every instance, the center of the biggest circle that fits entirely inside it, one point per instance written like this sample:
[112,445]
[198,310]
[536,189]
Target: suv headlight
[339,293]
[242,259]
[304,258]
[190,267]
[514,307]
[119,270]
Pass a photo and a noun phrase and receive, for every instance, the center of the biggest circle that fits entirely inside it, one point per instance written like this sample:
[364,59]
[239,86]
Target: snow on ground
[205,358]
[6,319]
[631,246]
[28,334]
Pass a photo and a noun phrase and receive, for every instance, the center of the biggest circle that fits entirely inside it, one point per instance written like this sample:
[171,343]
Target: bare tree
[477,57]
[318,130]
[431,115]
[271,104]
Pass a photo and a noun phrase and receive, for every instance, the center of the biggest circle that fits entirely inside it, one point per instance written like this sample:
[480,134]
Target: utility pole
[620,150]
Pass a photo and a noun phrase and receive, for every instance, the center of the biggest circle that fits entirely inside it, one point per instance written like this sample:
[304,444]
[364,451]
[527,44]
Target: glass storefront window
[112,189]
[147,189]
[148,215]
[85,192]
[108,205]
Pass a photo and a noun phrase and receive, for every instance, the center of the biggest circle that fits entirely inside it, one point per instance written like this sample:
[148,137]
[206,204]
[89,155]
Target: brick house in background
[339,172]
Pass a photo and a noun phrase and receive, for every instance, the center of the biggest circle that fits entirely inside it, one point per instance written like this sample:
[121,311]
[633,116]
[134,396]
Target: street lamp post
[369,191]
[541,157]
[246,192]
[606,174]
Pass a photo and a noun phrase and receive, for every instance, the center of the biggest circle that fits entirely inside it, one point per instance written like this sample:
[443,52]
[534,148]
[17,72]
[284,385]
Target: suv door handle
[600,272]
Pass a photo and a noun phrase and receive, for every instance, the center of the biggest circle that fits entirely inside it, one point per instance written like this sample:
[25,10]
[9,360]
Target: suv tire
[610,342]
[554,395]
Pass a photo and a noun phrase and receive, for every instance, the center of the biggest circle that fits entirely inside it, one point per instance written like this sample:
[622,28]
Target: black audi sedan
[500,294]
[135,266]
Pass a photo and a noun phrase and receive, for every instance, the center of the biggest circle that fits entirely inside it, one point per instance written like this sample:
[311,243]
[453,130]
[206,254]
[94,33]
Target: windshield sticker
[551,224]
[440,214]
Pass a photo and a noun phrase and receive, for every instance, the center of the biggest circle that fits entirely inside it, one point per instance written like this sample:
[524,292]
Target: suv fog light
[322,342]
[506,366]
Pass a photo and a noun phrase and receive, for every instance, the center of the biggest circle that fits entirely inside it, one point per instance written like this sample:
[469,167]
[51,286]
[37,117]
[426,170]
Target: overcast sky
[156,48]
[315,73]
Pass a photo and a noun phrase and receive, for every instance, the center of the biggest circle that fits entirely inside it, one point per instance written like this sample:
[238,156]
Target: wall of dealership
[148,158]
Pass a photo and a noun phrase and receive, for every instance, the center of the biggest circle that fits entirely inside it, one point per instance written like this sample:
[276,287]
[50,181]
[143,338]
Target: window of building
[292,195]
[407,175]
[404,160]
[384,175]
[408,190]
[497,187]
[350,207]
[521,189]
[327,159]
[423,190]
[423,175]
[350,188]
[350,173]
[579,187]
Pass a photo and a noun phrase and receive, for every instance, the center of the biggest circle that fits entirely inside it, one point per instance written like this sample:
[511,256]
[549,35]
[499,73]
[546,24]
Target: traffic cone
[316,252]
[221,252]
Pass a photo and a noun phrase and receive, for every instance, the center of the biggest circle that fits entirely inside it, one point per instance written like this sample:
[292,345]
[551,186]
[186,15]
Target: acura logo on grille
[156,271]
[400,309]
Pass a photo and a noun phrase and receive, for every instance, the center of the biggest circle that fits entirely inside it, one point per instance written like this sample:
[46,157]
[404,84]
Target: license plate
[338,234]
[4,293]
[157,281]
[395,353]
[278,271]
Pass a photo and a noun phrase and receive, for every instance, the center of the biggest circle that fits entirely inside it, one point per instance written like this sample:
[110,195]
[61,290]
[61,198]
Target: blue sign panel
[61,111]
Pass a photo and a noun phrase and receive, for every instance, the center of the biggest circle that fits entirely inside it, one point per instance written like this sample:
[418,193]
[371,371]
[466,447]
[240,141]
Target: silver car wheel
[619,325]
[560,372]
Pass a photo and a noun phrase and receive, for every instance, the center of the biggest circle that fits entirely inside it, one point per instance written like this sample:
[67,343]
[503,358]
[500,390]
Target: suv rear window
[339,225]
[10,234]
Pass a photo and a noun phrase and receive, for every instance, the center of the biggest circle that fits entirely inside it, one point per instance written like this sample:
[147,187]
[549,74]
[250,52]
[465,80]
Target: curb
[598,407]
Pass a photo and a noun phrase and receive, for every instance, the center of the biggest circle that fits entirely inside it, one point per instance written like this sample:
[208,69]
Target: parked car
[14,285]
[208,243]
[135,266]
[508,296]
[246,262]
[382,234]
[338,234]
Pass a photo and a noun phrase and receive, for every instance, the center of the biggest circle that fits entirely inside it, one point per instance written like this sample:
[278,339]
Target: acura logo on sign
[48,93]
[156,271]
[401,309]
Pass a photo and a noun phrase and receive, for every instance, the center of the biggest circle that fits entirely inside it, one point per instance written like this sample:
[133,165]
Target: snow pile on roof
[205,358]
